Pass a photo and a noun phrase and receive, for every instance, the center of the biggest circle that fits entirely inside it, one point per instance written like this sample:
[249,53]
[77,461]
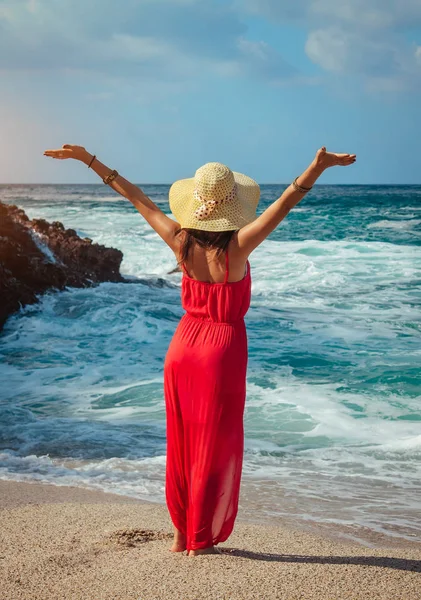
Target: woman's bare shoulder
[235,249]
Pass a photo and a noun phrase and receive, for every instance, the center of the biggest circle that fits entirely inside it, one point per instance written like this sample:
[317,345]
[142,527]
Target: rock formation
[36,256]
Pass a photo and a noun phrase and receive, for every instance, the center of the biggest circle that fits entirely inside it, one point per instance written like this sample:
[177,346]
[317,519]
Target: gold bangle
[110,177]
[300,188]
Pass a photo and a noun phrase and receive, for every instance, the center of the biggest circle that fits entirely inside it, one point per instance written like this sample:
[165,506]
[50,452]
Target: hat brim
[232,214]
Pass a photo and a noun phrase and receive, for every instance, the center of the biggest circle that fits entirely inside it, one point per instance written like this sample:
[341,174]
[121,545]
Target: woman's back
[218,301]
[203,264]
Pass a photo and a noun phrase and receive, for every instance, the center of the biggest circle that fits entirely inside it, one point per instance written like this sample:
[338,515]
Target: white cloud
[32,6]
[134,48]
[368,14]
[384,63]
[346,51]
[372,14]
[366,38]
[328,48]
[262,59]
[6,12]
[180,39]
[257,50]
[149,39]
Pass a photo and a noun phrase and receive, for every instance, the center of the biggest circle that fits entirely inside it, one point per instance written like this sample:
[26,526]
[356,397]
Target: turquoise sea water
[333,410]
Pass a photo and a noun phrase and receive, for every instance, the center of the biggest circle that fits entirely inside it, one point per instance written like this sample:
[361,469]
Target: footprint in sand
[134,537]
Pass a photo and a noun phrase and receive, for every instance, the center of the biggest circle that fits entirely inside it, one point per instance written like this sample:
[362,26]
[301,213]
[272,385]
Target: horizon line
[169,184]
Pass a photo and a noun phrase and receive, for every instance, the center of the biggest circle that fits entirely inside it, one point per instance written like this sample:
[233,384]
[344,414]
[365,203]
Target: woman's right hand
[325,159]
[68,151]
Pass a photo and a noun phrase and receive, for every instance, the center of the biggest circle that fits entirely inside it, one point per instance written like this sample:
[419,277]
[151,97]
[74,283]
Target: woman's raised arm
[157,219]
[253,234]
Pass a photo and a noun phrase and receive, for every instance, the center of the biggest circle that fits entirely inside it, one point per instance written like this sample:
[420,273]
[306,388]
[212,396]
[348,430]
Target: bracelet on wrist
[110,177]
[300,188]
[92,160]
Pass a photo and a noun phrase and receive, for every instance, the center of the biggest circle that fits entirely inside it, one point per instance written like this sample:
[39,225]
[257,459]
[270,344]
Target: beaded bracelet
[300,188]
[92,160]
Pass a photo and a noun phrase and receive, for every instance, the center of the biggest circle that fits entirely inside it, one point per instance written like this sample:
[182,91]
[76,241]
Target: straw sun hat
[215,199]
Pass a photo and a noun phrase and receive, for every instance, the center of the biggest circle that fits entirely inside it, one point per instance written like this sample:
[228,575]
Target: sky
[157,88]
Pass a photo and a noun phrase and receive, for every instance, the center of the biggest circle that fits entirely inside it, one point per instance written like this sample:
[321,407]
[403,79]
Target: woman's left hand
[326,159]
[68,151]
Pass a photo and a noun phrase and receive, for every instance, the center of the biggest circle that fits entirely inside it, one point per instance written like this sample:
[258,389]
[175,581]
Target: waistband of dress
[187,315]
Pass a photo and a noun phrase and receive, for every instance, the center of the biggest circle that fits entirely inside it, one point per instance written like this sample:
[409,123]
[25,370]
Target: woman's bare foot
[211,550]
[178,547]
[179,544]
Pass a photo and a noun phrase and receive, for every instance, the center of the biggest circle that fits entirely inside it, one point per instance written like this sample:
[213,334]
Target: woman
[205,365]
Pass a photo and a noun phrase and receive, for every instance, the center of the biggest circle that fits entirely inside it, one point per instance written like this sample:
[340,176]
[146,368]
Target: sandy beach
[71,543]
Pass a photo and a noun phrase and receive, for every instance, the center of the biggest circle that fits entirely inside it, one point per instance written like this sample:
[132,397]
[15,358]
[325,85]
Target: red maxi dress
[205,390]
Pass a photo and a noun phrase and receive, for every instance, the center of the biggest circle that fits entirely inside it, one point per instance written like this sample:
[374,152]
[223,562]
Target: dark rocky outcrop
[36,256]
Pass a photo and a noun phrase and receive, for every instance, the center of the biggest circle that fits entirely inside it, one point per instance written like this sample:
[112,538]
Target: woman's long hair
[205,239]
